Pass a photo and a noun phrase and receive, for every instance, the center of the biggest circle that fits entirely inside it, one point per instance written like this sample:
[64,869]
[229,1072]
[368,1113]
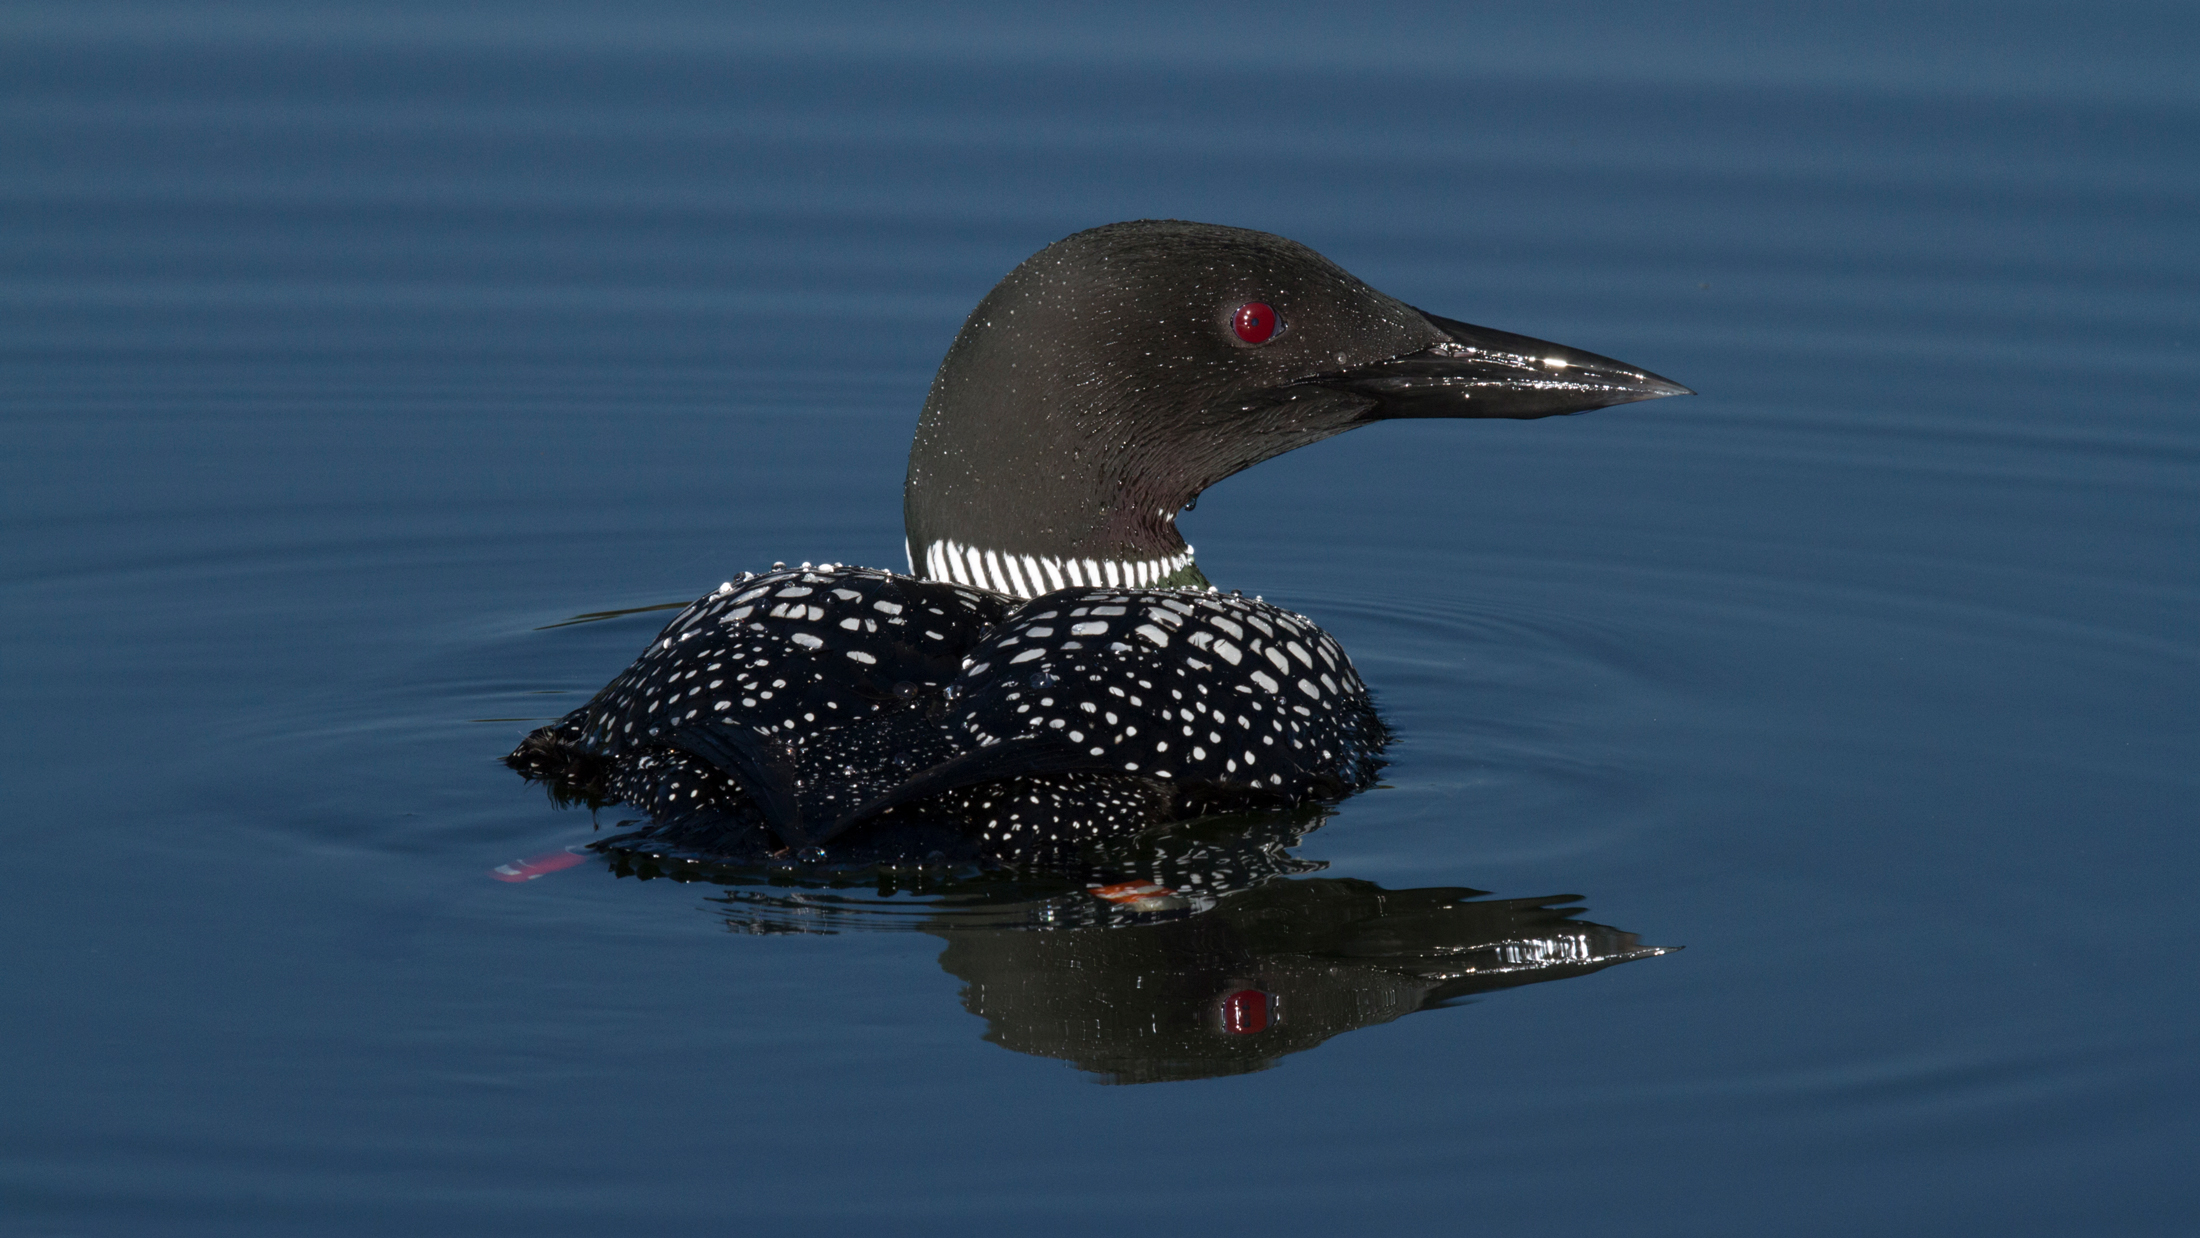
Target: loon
[1055,670]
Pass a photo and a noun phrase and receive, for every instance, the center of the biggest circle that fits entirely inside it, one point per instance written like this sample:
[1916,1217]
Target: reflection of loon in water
[1242,961]
[1055,671]
[1270,972]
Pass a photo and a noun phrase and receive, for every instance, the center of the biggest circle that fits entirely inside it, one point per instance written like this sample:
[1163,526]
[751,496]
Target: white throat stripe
[1028,576]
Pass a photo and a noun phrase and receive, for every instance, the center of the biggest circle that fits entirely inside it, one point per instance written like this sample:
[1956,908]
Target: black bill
[1481,372]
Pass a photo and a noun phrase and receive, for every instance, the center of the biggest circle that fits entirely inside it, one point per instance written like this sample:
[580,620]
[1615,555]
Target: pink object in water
[535,866]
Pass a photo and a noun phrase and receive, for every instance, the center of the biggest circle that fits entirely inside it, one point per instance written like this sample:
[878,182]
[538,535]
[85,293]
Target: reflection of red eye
[1256,323]
[1245,1011]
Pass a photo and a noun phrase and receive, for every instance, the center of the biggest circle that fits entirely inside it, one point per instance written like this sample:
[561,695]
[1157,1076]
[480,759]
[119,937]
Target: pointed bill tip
[1652,387]
[1483,372]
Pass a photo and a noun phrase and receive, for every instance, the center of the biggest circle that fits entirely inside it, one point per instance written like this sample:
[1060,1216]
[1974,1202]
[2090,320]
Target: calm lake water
[347,354]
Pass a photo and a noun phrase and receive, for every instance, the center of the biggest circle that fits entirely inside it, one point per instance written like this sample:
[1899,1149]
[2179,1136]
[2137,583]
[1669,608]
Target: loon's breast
[808,706]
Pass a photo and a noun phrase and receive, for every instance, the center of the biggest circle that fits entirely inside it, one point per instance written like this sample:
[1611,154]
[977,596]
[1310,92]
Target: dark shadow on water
[1196,953]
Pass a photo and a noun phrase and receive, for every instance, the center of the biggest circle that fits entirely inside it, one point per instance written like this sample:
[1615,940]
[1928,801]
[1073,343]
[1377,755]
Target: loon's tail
[553,756]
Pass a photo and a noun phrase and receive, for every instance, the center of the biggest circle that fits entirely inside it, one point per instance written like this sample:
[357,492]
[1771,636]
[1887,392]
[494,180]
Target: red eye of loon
[1256,323]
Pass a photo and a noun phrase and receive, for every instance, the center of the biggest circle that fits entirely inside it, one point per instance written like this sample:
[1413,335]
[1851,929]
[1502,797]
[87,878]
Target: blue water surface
[345,350]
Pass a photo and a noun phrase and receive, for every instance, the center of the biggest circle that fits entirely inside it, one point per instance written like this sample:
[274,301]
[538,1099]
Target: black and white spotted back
[792,651]
[1181,685]
[827,706]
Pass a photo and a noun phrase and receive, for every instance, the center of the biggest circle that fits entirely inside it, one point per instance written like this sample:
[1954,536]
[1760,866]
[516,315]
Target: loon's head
[1119,372]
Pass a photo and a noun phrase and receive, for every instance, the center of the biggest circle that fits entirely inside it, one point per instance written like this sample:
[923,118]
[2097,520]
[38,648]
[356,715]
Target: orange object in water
[1132,891]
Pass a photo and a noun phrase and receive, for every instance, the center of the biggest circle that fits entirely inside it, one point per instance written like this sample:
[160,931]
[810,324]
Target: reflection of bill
[1201,951]
[1265,973]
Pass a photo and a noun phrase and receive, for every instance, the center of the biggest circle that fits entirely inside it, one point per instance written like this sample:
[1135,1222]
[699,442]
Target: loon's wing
[762,768]
[790,691]
[796,651]
[1140,706]
[1015,758]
